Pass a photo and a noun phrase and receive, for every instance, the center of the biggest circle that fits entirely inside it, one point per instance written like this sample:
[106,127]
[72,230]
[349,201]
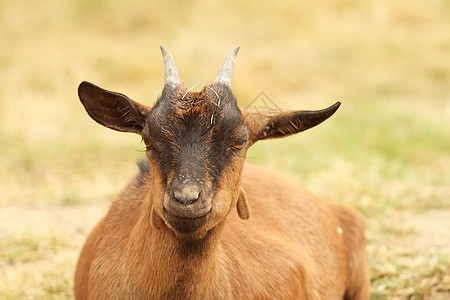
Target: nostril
[186,195]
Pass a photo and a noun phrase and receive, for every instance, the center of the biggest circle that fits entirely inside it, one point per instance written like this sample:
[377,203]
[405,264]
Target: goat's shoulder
[278,194]
[125,210]
[287,227]
[132,196]
[281,205]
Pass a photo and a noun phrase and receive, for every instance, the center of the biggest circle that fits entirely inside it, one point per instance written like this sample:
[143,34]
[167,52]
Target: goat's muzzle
[186,207]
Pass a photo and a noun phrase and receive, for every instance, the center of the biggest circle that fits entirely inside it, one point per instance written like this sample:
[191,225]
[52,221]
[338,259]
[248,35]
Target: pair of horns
[224,76]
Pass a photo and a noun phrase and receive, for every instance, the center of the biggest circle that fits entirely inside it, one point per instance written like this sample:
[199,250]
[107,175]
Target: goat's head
[196,143]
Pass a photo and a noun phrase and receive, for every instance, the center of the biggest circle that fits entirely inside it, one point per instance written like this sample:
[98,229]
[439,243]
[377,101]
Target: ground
[385,152]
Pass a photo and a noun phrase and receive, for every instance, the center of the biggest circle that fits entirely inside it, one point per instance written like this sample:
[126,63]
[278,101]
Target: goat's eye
[149,147]
[238,144]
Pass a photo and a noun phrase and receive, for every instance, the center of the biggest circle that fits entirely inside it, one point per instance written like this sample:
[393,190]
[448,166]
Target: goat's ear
[113,110]
[275,124]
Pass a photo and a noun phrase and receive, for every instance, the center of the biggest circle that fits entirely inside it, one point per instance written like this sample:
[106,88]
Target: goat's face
[196,144]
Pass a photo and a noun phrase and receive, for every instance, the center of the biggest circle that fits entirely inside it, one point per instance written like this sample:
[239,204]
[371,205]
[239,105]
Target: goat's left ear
[113,110]
[275,124]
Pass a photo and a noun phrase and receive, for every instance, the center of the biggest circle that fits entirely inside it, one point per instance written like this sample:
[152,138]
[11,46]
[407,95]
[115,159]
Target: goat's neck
[178,266]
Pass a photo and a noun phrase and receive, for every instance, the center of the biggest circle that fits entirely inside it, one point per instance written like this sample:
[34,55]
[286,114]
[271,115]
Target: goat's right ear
[113,110]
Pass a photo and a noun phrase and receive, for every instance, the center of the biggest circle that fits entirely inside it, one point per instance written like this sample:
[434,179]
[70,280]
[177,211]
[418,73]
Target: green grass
[385,152]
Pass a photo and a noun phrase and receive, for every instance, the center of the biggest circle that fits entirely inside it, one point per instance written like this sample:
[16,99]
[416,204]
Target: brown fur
[199,225]
[290,248]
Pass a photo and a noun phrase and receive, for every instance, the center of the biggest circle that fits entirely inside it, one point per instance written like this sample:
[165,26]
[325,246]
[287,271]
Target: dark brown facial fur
[192,137]
[194,132]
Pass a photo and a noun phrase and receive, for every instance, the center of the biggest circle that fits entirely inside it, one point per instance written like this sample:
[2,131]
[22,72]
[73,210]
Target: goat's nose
[187,194]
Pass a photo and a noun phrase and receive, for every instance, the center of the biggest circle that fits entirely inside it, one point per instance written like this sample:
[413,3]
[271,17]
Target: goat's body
[294,246]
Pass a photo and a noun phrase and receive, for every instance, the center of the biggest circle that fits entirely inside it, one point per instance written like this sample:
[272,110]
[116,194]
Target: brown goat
[172,232]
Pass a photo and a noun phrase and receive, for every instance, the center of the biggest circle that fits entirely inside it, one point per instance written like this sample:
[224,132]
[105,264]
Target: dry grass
[386,152]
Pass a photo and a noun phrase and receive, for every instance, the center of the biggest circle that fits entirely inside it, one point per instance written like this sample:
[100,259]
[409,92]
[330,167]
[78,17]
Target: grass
[385,152]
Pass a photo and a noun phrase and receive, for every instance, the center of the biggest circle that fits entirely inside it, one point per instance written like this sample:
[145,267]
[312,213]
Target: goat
[172,232]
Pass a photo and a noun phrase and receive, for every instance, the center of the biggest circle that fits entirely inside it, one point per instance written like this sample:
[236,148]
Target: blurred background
[385,152]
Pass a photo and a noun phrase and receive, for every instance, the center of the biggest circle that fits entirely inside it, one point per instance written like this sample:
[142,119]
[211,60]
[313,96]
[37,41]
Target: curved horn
[226,72]
[171,76]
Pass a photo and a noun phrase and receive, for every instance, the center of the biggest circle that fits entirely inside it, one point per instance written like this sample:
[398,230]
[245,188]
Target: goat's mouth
[186,225]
